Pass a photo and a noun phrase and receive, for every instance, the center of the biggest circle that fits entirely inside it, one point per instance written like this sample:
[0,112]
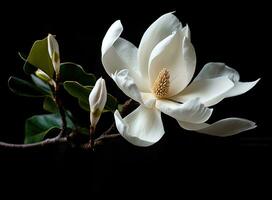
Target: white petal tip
[223,128]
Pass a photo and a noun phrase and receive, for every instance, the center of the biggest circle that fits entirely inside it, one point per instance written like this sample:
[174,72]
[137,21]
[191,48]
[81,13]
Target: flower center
[161,85]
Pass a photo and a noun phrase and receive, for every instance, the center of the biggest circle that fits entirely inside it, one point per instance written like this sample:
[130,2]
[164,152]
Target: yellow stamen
[161,85]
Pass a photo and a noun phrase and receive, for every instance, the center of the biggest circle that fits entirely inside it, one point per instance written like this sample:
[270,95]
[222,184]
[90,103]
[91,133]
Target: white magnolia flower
[53,50]
[157,75]
[97,101]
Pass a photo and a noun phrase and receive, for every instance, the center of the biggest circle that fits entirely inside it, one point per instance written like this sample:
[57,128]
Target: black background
[235,33]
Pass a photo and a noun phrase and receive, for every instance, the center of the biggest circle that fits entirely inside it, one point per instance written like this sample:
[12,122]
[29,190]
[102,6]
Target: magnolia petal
[118,54]
[111,36]
[111,60]
[222,128]
[149,99]
[127,52]
[177,55]
[53,51]
[160,29]
[241,88]
[143,127]
[126,83]
[190,111]
[53,45]
[186,31]
[213,70]
[128,55]
[209,91]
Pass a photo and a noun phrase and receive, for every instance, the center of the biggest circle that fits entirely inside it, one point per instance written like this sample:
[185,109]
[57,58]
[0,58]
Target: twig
[46,142]
[61,109]
[91,135]
[105,137]
[59,139]
[109,129]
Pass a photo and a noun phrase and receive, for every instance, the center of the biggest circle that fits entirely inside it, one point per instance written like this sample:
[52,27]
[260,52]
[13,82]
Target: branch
[128,106]
[105,137]
[63,140]
[90,144]
[46,142]
[109,129]
[61,109]
[57,140]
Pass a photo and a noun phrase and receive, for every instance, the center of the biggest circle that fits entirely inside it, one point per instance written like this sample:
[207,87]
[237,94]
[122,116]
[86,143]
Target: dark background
[235,33]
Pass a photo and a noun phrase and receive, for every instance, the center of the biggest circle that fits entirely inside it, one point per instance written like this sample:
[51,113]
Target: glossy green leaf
[38,126]
[39,57]
[24,88]
[29,69]
[50,105]
[84,105]
[41,84]
[112,103]
[74,72]
[81,92]
[77,90]
[41,136]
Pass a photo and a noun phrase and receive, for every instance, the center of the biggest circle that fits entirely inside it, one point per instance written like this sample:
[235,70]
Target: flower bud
[43,76]
[53,50]
[97,101]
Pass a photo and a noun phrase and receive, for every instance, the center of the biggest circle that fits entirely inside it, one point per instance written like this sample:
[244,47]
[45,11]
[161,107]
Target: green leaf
[41,136]
[84,105]
[74,72]
[83,130]
[81,92]
[50,105]
[24,88]
[112,103]
[77,90]
[38,126]
[39,57]
[41,84]
[29,69]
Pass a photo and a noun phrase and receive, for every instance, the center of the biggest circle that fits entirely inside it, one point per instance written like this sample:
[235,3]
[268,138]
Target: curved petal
[186,31]
[53,51]
[127,52]
[213,70]
[209,91]
[175,53]
[53,45]
[160,29]
[143,127]
[241,88]
[118,54]
[111,36]
[190,111]
[222,128]
[149,99]
[110,59]
[127,84]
